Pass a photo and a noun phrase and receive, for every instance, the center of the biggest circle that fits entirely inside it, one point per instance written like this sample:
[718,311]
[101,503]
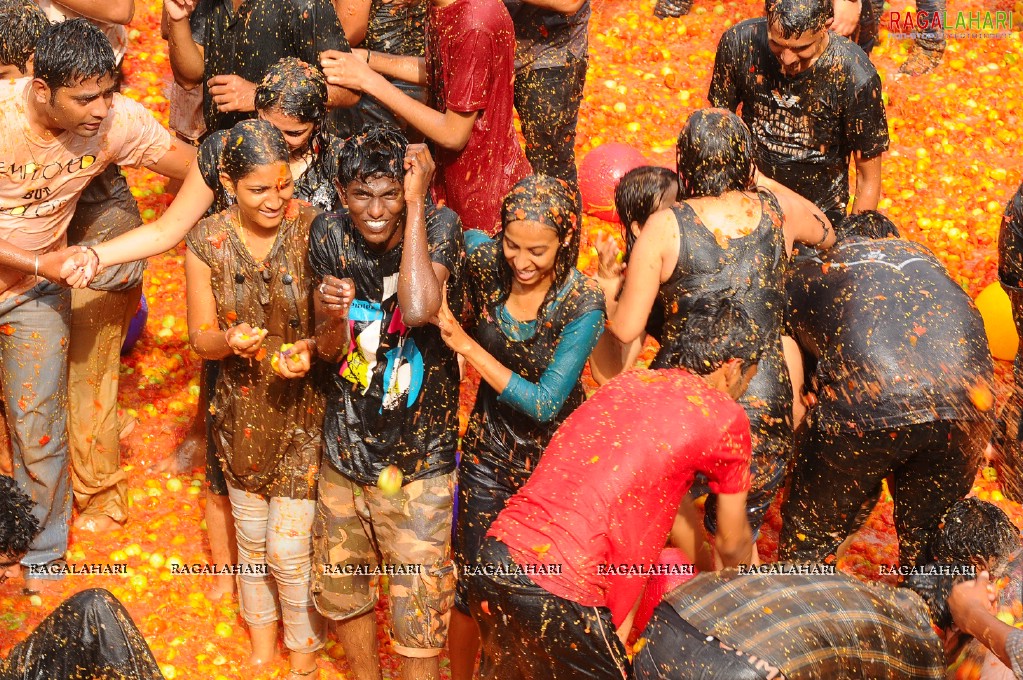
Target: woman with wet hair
[729,234]
[534,321]
[250,308]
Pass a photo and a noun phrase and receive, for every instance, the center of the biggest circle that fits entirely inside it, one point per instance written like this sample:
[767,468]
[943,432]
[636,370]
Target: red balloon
[599,174]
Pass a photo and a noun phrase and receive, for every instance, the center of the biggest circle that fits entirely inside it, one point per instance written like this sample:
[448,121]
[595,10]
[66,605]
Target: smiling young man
[391,429]
[811,99]
[61,129]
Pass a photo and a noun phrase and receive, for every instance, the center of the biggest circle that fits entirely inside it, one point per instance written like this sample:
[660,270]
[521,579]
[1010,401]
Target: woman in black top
[534,321]
[728,236]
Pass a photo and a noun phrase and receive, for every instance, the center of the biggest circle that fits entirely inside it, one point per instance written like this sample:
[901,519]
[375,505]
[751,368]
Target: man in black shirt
[902,382]
[811,99]
[391,427]
[227,46]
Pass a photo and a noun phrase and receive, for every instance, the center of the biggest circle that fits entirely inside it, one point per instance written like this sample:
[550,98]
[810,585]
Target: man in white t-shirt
[61,128]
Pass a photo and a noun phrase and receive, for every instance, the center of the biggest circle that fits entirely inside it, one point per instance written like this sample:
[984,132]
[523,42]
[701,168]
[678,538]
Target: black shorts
[529,633]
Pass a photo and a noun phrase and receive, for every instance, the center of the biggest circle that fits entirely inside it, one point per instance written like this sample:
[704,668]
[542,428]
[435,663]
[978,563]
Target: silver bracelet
[37,267]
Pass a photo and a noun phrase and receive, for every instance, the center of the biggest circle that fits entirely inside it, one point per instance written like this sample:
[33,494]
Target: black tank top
[752,267]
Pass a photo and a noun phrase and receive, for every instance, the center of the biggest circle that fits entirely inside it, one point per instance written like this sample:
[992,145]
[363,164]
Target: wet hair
[714,154]
[250,144]
[637,196]
[376,152]
[794,17]
[553,203]
[295,89]
[868,224]
[71,51]
[18,526]
[934,587]
[716,331]
[21,25]
[976,532]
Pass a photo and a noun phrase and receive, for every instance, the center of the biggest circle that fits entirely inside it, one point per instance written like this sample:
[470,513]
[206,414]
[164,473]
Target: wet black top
[393,398]
[261,33]
[498,432]
[397,27]
[895,339]
[315,186]
[752,268]
[804,127]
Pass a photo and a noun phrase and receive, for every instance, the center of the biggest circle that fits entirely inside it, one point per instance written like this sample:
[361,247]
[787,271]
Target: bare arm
[191,203]
[204,332]
[177,162]
[971,604]
[399,67]
[611,356]
[734,540]
[451,129]
[567,7]
[868,183]
[331,303]
[802,221]
[420,281]
[354,17]
[655,251]
[186,57]
[110,11]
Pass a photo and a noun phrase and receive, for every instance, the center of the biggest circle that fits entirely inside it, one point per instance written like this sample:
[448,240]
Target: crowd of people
[363,228]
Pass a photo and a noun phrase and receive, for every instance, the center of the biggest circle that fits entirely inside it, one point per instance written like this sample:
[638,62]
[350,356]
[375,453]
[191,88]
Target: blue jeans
[34,373]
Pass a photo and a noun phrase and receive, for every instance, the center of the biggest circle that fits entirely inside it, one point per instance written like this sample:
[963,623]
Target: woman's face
[263,194]
[296,133]
[531,249]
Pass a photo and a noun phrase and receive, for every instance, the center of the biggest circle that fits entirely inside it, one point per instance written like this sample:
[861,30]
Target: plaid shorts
[360,534]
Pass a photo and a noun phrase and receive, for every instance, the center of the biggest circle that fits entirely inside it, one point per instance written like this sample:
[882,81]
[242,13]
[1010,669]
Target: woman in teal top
[534,321]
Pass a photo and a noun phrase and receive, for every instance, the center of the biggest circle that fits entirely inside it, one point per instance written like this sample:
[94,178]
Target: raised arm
[421,282]
[450,129]
[186,56]
[354,17]
[655,253]
[110,11]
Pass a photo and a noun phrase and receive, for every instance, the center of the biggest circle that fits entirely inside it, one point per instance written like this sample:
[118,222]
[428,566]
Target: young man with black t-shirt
[902,383]
[227,46]
[811,99]
[391,429]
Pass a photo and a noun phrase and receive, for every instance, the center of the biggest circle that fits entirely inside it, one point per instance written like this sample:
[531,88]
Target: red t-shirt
[470,61]
[609,484]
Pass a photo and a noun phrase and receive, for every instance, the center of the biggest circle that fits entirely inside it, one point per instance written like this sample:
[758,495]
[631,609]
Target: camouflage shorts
[360,534]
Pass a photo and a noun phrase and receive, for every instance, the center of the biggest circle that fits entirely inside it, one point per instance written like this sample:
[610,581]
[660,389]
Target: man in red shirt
[569,557]
[469,64]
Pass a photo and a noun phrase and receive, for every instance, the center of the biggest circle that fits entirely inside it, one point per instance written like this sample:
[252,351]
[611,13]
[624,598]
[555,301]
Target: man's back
[813,625]
[896,340]
[608,485]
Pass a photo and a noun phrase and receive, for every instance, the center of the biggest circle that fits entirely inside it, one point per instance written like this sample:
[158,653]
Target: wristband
[827,230]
